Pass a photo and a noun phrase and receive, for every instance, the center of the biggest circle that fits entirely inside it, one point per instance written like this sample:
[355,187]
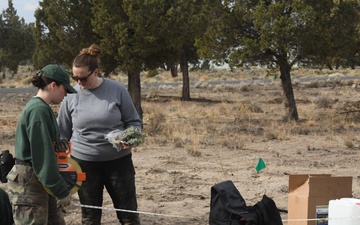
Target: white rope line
[129,211]
[317,219]
[180,216]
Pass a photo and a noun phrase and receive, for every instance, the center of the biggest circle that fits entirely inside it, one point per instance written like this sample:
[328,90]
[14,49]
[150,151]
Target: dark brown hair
[89,57]
[41,82]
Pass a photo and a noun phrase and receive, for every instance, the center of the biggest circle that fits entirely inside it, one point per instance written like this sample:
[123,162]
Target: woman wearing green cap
[36,169]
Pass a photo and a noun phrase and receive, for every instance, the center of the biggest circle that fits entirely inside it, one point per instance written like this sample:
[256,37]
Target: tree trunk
[186,83]
[134,89]
[329,66]
[290,105]
[174,71]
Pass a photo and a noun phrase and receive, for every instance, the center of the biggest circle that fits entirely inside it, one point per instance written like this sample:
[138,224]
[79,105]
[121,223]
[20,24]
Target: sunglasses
[82,79]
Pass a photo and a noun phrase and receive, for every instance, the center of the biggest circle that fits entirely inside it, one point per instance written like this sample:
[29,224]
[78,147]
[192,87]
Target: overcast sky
[24,8]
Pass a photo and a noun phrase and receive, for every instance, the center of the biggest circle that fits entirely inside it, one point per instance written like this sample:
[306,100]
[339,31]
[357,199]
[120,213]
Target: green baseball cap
[59,74]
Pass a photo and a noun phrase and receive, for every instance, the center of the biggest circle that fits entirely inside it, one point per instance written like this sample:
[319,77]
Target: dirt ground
[229,128]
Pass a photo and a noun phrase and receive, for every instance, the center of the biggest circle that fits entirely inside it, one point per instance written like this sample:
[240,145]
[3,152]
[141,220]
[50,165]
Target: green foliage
[144,35]
[203,65]
[132,136]
[148,34]
[63,28]
[16,39]
[138,35]
[246,33]
[278,34]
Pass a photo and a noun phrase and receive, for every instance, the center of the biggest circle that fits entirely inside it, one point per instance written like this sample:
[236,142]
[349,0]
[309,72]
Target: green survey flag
[261,165]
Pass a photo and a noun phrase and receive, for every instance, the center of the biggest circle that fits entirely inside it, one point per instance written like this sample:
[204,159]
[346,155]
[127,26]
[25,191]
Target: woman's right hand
[64,201]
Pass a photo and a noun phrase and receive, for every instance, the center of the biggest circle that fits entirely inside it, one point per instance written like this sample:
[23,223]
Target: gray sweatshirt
[86,117]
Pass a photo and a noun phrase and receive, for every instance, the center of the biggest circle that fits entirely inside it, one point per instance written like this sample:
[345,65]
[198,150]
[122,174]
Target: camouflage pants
[31,204]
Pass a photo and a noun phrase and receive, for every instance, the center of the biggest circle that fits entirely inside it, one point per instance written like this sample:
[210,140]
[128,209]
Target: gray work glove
[64,201]
[62,145]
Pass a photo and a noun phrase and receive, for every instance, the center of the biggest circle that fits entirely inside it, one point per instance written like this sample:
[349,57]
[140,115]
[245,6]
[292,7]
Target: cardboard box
[307,191]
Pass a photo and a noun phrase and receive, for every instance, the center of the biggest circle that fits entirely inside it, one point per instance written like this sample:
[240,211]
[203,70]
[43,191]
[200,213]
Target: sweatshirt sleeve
[64,119]
[40,133]
[129,113]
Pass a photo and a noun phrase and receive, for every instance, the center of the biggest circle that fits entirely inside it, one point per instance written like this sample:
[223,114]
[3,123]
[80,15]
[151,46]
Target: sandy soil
[173,185]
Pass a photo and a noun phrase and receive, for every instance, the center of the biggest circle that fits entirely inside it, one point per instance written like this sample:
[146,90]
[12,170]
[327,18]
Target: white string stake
[129,211]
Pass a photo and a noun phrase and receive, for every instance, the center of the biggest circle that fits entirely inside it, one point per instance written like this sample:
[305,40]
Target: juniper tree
[276,34]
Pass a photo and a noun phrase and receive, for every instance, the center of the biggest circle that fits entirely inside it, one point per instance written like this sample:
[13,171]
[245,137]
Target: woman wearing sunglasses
[100,107]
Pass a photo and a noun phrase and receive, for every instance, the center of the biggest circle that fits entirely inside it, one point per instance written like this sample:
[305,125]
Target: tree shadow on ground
[163,99]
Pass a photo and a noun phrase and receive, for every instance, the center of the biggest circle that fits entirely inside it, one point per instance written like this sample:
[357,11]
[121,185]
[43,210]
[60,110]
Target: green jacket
[36,133]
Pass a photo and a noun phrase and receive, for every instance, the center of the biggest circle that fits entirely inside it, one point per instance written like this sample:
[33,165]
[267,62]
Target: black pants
[6,216]
[118,177]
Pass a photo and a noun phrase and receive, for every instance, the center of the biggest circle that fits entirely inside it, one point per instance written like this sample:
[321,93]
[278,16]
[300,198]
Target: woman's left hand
[125,146]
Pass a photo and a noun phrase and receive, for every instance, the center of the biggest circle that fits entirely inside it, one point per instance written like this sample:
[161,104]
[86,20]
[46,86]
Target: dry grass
[189,146]
[223,114]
